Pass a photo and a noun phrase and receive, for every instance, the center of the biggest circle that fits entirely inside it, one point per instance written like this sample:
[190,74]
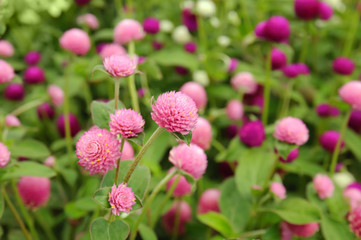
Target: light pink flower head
[89,20]
[169,217]
[244,82]
[323,186]
[121,199]
[196,92]
[190,159]
[12,121]
[354,219]
[209,201]
[202,134]
[291,130]
[176,112]
[278,189]
[56,94]
[353,197]
[4,155]
[351,94]
[6,49]
[304,230]
[286,233]
[97,150]
[234,110]
[128,30]
[6,72]
[120,65]
[128,151]
[112,49]
[34,191]
[126,122]
[76,41]
[50,161]
[183,187]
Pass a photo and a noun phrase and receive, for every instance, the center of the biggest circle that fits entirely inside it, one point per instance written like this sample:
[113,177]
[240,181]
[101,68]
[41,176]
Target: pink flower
[196,92]
[4,155]
[176,112]
[121,199]
[350,93]
[286,233]
[56,94]
[278,189]
[6,49]
[6,72]
[234,110]
[126,122]
[50,161]
[76,41]
[353,197]
[354,218]
[329,140]
[89,20]
[12,121]
[244,82]
[323,186]
[128,152]
[190,159]
[120,65]
[202,134]
[34,191]
[128,30]
[183,187]
[170,217]
[97,150]
[209,201]
[291,130]
[304,230]
[112,49]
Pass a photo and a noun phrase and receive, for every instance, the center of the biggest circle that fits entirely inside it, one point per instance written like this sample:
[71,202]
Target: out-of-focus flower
[291,130]
[325,11]
[34,191]
[56,94]
[304,230]
[278,59]
[89,20]
[166,26]
[277,29]
[76,41]
[291,156]
[354,218]
[34,75]
[45,111]
[169,217]
[32,58]
[151,25]
[355,121]
[181,35]
[201,77]
[112,49]
[323,186]
[278,190]
[343,66]
[74,125]
[252,134]
[6,49]
[50,161]
[205,8]
[233,18]
[128,30]
[202,134]
[190,47]
[326,110]
[244,82]
[329,140]
[307,9]
[224,41]
[197,92]
[4,155]
[232,64]
[234,110]
[209,201]
[350,93]
[12,121]
[183,187]
[6,72]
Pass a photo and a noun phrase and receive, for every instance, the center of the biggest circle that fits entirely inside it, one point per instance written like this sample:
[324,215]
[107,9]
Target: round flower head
[176,112]
[354,219]
[286,233]
[291,71]
[12,121]
[291,130]
[4,155]
[112,49]
[323,186]
[350,93]
[32,58]
[234,110]
[278,59]
[6,49]
[304,230]
[291,156]
[45,111]
[121,199]
[128,152]
[343,179]
[151,25]
[232,65]
[252,134]
[209,201]
[6,72]
[277,29]
[157,45]
[306,9]
[326,110]
[74,125]
[352,196]
[302,68]
[183,187]
[89,20]
[82,2]
[355,121]
[259,31]
[189,20]
[56,94]
[278,190]
[76,41]
[50,161]
[180,70]
[128,30]
[244,82]
[98,150]
[190,159]
[181,35]
[343,66]
[197,92]
[126,122]
[325,11]
[169,217]
[34,191]
[190,47]
[329,140]
[34,75]
[120,65]
[202,134]
[206,8]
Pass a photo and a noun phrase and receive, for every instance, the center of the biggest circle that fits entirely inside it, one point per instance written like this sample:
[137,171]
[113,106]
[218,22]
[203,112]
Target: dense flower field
[190,119]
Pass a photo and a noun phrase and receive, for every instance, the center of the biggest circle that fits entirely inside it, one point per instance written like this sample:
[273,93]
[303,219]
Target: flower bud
[14,92]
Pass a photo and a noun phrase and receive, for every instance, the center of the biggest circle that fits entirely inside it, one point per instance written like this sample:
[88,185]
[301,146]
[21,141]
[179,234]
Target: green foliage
[29,148]
[100,112]
[101,229]
[175,57]
[217,222]
[27,168]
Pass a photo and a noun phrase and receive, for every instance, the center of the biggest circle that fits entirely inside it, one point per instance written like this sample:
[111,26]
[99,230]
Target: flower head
[350,93]
[244,82]
[76,41]
[325,11]
[233,63]
[12,121]
[304,230]
[169,217]
[234,110]
[277,29]
[126,122]
[209,201]
[34,191]
[252,134]
[50,161]
[183,187]
[326,110]
[189,20]
[291,130]
[291,156]
[112,49]
[45,111]
[202,134]
[306,9]
[343,66]
[56,94]
[291,71]
[128,30]
[34,75]
[278,59]
[89,20]
[32,58]
[6,49]
[120,65]
[151,25]
[4,155]
[121,199]
[259,31]
[354,219]
[6,72]
[355,121]
[128,152]
[206,8]
[278,190]
[323,186]
[190,47]
[197,92]
[74,125]
[329,140]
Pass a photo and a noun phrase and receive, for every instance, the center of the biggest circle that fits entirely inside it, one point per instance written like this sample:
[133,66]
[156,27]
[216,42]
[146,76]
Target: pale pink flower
[183,187]
[4,155]
[304,230]
[185,216]
[278,189]
[244,82]
[97,150]
[121,199]
[323,186]
[190,159]
[120,65]
[12,121]
[50,161]
[6,72]
[354,219]
[351,94]
[353,197]
[128,152]
[112,49]
[76,41]
[176,112]
[6,49]
[209,201]
[34,191]
[56,95]
[126,122]
[89,20]
[128,30]
[291,130]
[202,134]
[196,92]
[234,110]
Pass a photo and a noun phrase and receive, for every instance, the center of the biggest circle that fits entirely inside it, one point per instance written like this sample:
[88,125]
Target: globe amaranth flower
[74,125]
[12,121]
[329,140]
[325,11]
[233,63]
[183,186]
[350,93]
[326,110]
[355,121]
[34,75]
[354,219]
[111,49]
[278,59]
[6,49]
[259,31]
[352,196]
[4,155]
[202,134]
[291,130]
[278,190]
[120,65]
[32,58]
[151,25]
[121,199]
[291,156]
[126,122]
[252,134]
[303,230]
[128,151]
[197,92]
[205,8]
[50,161]
[6,72]
[234,110]
[181,35]
[190,47]
[277,29]
[56,95]
[169,218]
[98,150]
[89,20]
[244,82]
[76,41]
[307,9]
[323,186]
[176,112]
[45,111]
[190,159]
[128,30]
[34,191]
[343,66]
[209,201]
[189,20]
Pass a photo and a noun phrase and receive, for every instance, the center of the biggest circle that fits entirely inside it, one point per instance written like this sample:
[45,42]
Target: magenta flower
[128,30]
[291,71]
[291,130]
[202,134]
[209,201]
[244,82]
[304,230]
[121,199]
[291,156]
[183,187]
[74,125]
[45,111]
[286,233]
[97,150]
[232,65]
[120,65]
[354,219]
[190,159]
[326,110]
[277,29]
[325,11]
[4,155]
[56,95]
[76,41]
[6,49]
[6,72]
[252,134]
[82,2]
[111,49]
[190,47]
[189,20]
[323,186]
[12,121]
[34,75]
[307,9]
[352,196]
[278,59]
[329,140]
[126,122]
[169,217]
[234,110]
[89,20]
[34,191]
[32,58]
[197,92]
[259,31]
[278,190]
[355,121]
[176,112]
[343,66]
[151,25]
[350,93]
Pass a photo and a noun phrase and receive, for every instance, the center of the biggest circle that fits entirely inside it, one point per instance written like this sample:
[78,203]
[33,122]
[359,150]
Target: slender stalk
[144,82]
[176,220]
[305,43]
[244,14]
[28,106]
[253,233]
[202,34]
[156,190]
[118,162]
[15,213]
[273,168]
[66,110]
[287,99]
[220,148]
[131,81]
[351,33]
[47,230]
[137,159]
[116,92]
[267,89]
[338,145]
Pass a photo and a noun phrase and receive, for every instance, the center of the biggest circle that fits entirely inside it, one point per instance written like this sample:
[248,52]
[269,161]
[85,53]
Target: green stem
[15,213]
[177,219]
[287,99]
[116,92]
[267,89]
[306,40]
[152,138]
[66,110]
[338,145]
[131,81]
[273,168]
[28,106]
[220,148]
[148,202]
[245,17]
[144,82]
[351,34]
[48,231]
[202,34]
[118,162]
[253,233]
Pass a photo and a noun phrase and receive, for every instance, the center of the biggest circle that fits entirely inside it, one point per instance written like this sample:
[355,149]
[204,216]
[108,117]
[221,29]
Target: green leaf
[29,148]
[2,205]
[151,68]
[72,211]
[217,222]
[100,68]
[335,230]
[101,197]
[27,168]
[101,229]
[175,57]
[303,167]
[190,179]
[353,141]
[105,34]
[183,138]
[139,140]
[234,151]
[147,233]
[101,112]
[273,233]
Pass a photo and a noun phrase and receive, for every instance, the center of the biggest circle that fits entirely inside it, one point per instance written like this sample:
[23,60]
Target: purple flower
[306,9]
[326,110]
[291,71]
[190,47]
[291,156]
[189,20]
[14,92]
[252,134]
[232,65]
[34,75]
[277,29]
[45,111]
[343,66]
[74,125]
[151,25]
[325,11]
[355,121]
[278,59]
[32,58]
[329,140]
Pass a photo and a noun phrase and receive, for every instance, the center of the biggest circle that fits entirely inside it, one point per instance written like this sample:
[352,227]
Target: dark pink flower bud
[190,47]
[14,92]
[232,64]
[232,130]
[326,110]
[252,134]
[302,68]
[82,2]
[189,20]
[185,216]
[32,58]
[157,45]
[259,31]
[209,201]
[355,121]
[151,25]
[277,29]
[34,191]
[325,11]
[291,71]
[181,70]
[304,230]
[278,59]
[100,46]
[74,125]
[45,111]
[328,140]
[343,66]
[183,187]
[291,156]
[306,9]
[34,75]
